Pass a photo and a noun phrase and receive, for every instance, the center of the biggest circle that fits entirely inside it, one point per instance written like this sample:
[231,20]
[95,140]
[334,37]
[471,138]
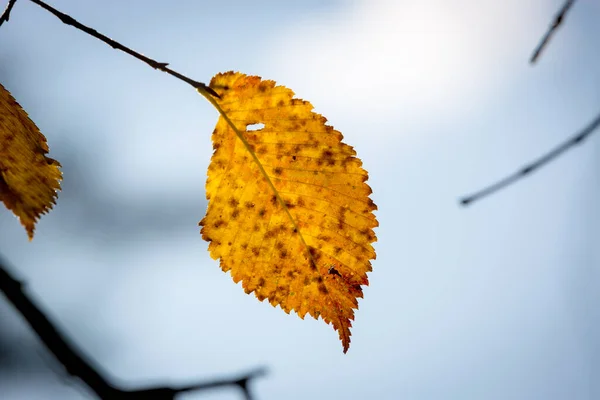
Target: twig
[6,13]
[528,169]
[160,393]
[161,66]
[76,363]
[558,20]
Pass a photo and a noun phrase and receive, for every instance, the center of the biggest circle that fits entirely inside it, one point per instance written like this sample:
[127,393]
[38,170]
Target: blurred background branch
[76,363]
[555,152]
[558,20]
[535,165]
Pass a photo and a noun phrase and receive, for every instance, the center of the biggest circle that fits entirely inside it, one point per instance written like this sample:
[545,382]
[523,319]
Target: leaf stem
[161,66]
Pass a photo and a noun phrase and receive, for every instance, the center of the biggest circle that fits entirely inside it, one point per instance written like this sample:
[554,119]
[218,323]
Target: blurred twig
[161,66]
[529,168]
[77,365]
[6,13]
[552,154]
[558,20]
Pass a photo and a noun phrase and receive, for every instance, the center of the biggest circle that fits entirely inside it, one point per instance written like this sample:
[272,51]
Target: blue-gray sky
[497,301]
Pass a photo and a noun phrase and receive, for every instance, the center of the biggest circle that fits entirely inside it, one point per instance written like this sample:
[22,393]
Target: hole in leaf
[254,127]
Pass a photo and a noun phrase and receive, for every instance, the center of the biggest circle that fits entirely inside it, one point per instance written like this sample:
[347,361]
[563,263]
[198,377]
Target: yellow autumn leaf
[29,180]
[289,212]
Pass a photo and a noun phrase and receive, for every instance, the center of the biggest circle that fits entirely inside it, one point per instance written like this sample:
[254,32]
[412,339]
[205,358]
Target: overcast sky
[496,301]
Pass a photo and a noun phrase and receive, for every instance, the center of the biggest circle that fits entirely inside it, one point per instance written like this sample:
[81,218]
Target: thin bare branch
[558,20]
[161,392]
[78,366]
[6,13]
[161,66]
[535,165]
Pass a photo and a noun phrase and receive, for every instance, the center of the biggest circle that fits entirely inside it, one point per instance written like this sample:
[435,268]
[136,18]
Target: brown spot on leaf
[327,157]
[233,202]
[341,216]
[314,253]
[368,233]
[324,238]
[371,204]
[264,86]
[284,291]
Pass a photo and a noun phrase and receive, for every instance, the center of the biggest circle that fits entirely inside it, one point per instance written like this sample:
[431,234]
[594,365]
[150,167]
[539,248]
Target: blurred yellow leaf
[289,212]
[28,179]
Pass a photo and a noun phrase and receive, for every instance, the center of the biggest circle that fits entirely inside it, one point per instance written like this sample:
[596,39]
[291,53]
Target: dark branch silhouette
[6,13]
[161,66]
[558,20]
[528,169]
[77,365]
